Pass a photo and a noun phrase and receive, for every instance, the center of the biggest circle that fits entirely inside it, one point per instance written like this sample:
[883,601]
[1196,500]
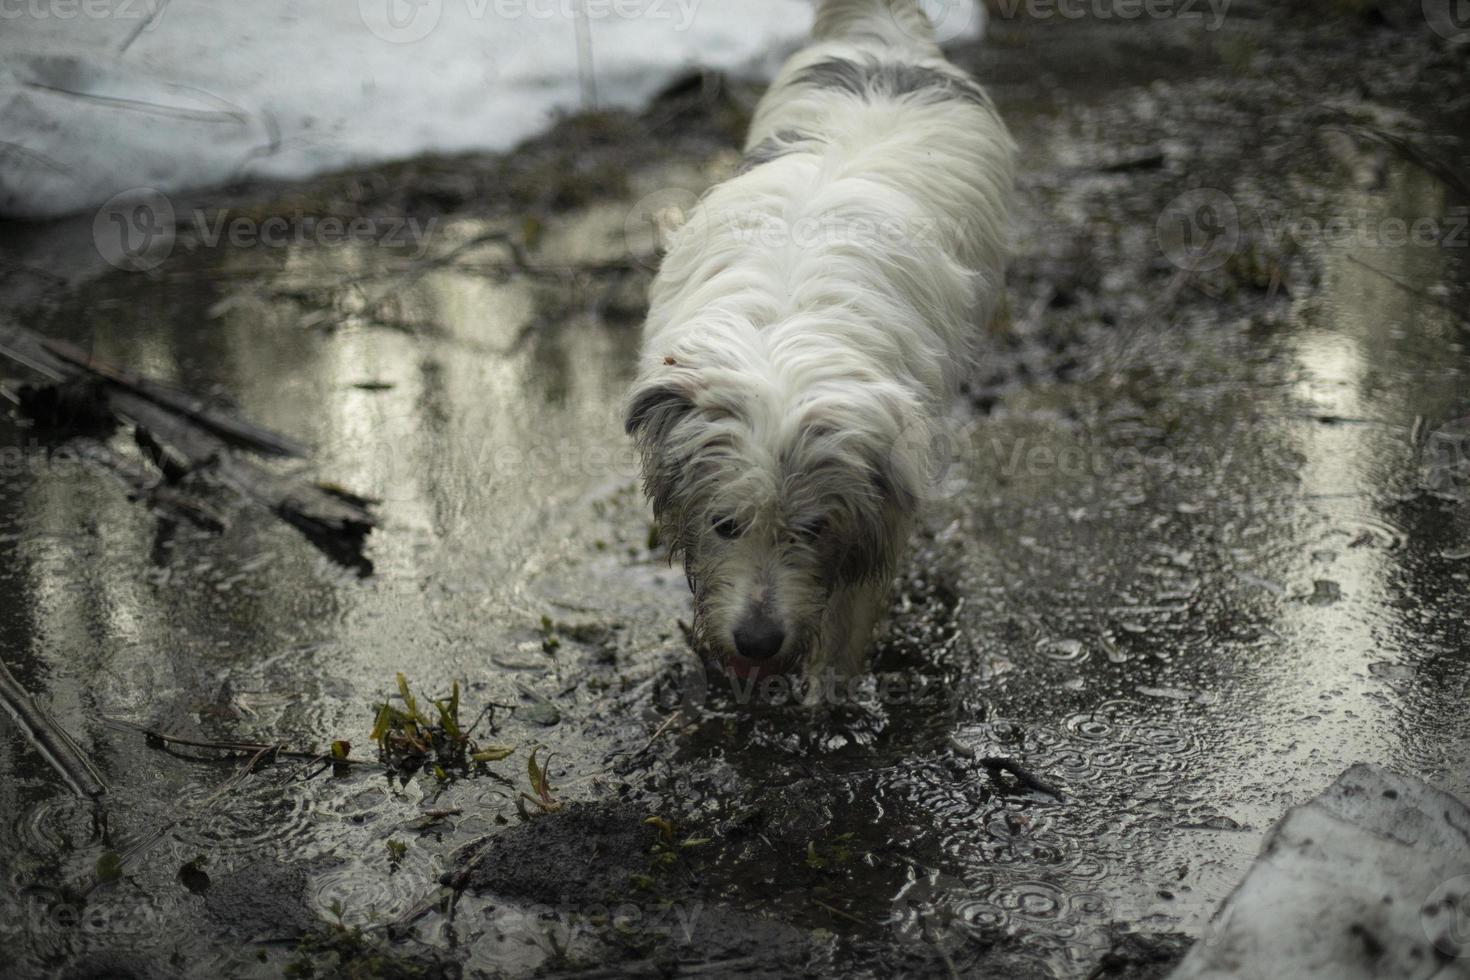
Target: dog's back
[869,148]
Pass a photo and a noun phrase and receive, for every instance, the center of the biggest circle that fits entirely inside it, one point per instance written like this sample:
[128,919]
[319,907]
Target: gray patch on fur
[873,79]
[774,147]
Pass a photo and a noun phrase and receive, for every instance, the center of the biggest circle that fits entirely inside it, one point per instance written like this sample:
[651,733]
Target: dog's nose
[758,636]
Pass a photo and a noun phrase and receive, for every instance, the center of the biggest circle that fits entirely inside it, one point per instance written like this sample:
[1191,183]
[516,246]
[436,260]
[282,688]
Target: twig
[1000,763]
[231,429]
[1024,776]
[1147,160]
[399,926]
[840,913]
[56,746]
[678,713]
[274,751]
[1409,288]
[146,23]
[1415,154]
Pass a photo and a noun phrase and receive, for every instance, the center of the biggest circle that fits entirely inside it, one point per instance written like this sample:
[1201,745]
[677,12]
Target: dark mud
[1205,547]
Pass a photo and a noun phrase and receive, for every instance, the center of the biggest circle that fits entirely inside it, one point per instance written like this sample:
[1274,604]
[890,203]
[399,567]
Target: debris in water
[1324,593]
[188,441]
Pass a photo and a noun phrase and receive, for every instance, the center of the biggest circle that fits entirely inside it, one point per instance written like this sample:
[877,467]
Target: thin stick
[1024,776]
[56,746]
[839,912]
[995,763]
[275,751]
[1408,287]
[678,713]
[227,427]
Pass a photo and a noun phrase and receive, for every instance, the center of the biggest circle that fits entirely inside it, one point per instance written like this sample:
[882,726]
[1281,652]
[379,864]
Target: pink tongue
[745,669]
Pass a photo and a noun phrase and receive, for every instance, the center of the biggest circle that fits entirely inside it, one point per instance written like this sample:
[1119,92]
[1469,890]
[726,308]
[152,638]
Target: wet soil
[1206,545]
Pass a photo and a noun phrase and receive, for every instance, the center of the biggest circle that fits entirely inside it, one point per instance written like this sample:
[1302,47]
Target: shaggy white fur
[806,332]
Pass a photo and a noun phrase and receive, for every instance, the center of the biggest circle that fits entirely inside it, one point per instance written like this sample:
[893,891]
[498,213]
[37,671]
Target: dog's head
[775,491]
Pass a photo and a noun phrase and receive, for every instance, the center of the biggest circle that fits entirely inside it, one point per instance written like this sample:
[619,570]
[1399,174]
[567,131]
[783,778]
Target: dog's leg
[852,613]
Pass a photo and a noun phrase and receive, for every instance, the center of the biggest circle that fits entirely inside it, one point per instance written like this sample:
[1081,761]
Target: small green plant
[540,785]
[411,737]
[667,851]
[550,642]
[830,855]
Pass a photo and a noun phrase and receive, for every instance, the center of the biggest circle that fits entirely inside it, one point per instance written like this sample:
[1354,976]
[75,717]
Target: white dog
[806,333]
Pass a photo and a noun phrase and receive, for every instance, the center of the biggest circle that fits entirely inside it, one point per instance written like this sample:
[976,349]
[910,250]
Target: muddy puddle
[1206,545]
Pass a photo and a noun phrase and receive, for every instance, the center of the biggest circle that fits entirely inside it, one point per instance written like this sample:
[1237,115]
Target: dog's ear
[654,410]
[897,472]
[898,480]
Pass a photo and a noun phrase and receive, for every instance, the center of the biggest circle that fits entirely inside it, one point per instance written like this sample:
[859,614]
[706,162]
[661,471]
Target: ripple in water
[56,828]
[1089,727]
[363,895]
[1366,531]
[1066,651]
[1035,900]
[983,915]
[255,819]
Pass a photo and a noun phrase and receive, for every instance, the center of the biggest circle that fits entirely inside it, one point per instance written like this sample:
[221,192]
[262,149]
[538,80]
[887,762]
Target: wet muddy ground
[1207,545]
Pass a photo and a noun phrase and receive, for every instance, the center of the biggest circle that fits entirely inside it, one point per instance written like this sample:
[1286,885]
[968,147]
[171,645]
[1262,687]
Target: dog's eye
[726,527]
[810,530]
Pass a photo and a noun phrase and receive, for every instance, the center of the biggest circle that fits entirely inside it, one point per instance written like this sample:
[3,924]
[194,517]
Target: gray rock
[1371,879]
